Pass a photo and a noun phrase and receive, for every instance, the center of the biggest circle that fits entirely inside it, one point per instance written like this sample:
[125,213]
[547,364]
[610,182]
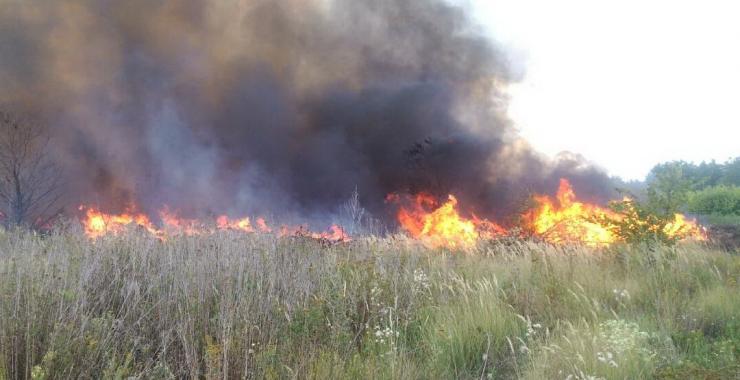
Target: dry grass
[255,306]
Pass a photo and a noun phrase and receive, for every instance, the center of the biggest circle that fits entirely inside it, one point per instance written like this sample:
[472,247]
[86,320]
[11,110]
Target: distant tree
[30,181]
[703,175]
[668,188]
[731,172]
[706,174]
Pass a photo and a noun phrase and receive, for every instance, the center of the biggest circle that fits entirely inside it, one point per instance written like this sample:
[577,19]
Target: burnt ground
[725,236]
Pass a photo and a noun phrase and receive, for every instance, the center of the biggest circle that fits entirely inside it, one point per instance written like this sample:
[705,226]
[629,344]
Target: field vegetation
[233,305]
[710,191]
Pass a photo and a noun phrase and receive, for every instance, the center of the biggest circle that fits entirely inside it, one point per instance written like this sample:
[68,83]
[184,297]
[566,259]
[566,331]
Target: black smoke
[279,107]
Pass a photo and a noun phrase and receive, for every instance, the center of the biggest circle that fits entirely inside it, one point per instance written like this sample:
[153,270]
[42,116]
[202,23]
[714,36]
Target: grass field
[230,306]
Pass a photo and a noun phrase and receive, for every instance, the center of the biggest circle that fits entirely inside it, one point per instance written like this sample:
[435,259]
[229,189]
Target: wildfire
[97,223]
[559,220]
[688,228]
[244,224]
[334,234]
[566,220]
[441,225]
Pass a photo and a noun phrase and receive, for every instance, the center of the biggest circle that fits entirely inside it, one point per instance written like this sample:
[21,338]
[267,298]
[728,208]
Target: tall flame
[441,225]
[559,220]
[566,220]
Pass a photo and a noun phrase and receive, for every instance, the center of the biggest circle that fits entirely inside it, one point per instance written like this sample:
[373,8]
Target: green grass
[255,306]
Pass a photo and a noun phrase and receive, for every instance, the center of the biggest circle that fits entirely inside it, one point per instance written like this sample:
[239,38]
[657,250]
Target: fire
[441,225]
[559,220]
[97,223]
[566,220]
[686,227]
[172,222]
[244,224]
[335,233]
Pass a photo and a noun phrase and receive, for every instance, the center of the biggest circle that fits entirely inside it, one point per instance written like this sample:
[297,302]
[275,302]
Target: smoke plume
[273,106]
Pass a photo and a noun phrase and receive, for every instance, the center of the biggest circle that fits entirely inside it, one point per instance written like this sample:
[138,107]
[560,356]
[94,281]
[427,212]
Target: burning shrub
[635,223]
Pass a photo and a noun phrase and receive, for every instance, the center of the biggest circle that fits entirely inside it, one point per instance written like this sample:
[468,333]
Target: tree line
[708,189]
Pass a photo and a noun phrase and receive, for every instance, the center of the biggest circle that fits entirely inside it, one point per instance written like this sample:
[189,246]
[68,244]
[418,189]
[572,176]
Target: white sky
[627,83]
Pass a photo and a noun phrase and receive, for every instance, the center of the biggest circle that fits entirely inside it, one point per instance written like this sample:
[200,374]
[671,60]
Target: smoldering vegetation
[232,305]
[273,107]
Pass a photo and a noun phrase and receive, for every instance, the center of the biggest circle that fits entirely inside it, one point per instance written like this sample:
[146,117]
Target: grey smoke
[280,107]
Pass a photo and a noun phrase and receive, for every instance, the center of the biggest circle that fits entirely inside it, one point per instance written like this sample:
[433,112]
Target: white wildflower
[421,280]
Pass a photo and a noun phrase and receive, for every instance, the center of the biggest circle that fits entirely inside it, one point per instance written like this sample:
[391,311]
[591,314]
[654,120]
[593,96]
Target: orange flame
[688,228]
[441,225]
[561,220]
[97,223]
[334,234]
[566,220]
[174,223]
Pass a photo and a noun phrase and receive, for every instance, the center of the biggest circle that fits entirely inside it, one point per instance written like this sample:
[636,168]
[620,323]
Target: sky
[627,83]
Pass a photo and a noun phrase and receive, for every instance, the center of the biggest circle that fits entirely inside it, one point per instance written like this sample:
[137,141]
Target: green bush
[637,223]
[718,200]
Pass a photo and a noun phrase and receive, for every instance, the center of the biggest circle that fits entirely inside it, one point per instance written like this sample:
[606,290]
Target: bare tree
[30,181]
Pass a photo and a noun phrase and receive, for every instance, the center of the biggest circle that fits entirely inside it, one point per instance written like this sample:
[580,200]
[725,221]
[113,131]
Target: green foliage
[718,200]
[711,190]
[731,175]
[703,175]
[636,223]
[668,189]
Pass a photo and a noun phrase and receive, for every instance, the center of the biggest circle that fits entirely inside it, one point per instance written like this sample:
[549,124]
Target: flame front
[441,225]
[97,223]
[559,220]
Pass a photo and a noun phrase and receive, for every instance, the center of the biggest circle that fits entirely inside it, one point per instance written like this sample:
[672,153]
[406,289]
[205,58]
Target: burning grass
[234,305]
[435,223]
[97,224]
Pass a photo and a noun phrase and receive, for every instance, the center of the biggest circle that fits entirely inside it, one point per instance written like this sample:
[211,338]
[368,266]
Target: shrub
[639,224]
[719,200]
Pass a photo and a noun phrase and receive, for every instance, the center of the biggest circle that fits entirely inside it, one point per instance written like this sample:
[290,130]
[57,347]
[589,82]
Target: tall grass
[231,305]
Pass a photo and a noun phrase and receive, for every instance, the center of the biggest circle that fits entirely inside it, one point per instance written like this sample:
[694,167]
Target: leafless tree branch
[30,181]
